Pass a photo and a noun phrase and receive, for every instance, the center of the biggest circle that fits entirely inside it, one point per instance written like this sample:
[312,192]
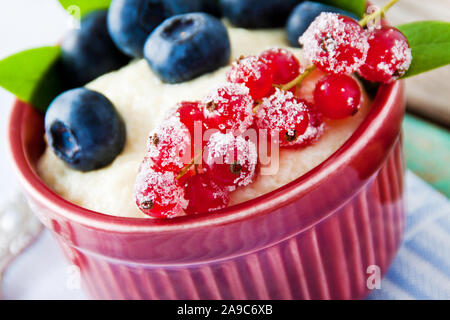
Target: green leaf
[84,6]
[33,75]
[356,6]
[430,45]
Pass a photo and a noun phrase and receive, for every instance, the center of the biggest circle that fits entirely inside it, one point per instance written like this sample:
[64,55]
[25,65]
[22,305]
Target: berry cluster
[260,93]
[172,181]
[339,46]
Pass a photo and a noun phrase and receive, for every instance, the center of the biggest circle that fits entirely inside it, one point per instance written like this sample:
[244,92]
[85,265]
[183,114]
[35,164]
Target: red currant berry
[316,127]
[316,124]
[284,65]
[253,72]
[284,116]
[389,55]
[191,115]
[230,107]
[169,145]
[190,112]
[157,193]
[335,43]
[204,195]
[229,160]
[337,96]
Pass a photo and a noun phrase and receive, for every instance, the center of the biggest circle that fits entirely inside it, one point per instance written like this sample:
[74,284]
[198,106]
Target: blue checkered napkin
[421,269]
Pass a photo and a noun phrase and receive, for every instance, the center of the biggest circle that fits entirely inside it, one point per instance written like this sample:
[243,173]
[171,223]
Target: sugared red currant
[284,116]
[169,145]
[204,195]
[158,193]
[189,112]
[316,127]
[284,65]
[316,124]
[229,107]
[337,96]
[335,43]
[230,160]
[253,72]
[389,55]
[191,115]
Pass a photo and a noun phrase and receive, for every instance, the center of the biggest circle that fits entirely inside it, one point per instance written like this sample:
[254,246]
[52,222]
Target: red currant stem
[255,108]
[380,12]
[186,168]
[297,81]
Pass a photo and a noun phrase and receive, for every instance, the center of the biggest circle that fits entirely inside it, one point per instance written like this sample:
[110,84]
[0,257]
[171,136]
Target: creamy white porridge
[142,99]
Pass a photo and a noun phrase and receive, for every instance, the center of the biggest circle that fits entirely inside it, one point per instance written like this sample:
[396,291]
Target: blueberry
[131,21]
[257,13]
[84,129]
[305,13]
[89,52]
[186,46]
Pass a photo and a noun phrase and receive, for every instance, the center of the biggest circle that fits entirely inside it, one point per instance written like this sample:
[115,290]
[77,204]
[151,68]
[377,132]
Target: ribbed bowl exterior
[327,261]
[319,237]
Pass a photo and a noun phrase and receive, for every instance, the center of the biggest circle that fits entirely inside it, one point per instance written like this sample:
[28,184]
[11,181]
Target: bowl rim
[35,187]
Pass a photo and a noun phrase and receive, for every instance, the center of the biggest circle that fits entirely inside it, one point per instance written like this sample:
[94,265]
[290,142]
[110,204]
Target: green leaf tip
[430,45]
[356,6]
[81,7]
[33,75]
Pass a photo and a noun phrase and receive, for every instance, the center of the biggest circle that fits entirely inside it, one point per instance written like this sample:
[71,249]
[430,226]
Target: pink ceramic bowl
[314,238]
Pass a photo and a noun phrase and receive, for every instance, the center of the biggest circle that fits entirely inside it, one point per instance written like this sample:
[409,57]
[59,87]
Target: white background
[27,24]
[24,24]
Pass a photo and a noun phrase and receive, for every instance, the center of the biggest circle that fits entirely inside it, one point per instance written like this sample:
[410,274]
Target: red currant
[189,112]
[229,160]
[169,145]
[284,116]
[316,127]
[158,193]
[191,115]
[337,96]
[204,195]
[255,73]
[230,107]
[284,65]
[389,55]
[335,43]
